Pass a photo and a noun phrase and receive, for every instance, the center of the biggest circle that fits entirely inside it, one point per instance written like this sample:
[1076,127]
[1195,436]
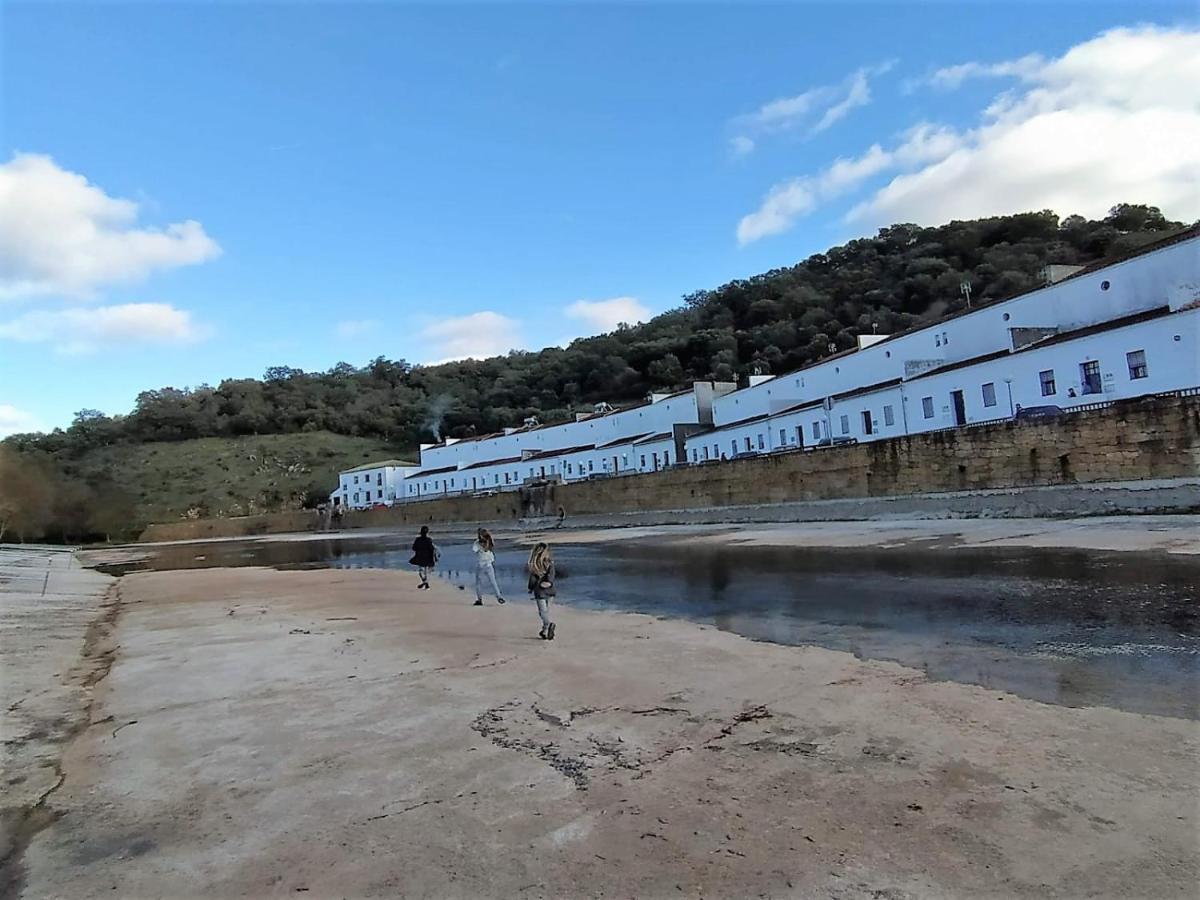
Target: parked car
[1037,413]
[840,441]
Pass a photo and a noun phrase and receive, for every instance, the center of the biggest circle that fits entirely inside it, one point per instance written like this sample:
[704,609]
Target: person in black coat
[425,557]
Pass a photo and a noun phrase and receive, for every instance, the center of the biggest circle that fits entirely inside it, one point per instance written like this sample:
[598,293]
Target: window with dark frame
[927,407]
[1047,380]
[989,394]
[1089,377]
[1136,360]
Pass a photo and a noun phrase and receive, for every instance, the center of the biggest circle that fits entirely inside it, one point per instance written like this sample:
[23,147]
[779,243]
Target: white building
[595,444]
[372,484]
[1125,329]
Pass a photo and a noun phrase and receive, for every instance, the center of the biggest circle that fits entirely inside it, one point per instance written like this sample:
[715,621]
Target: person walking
[541,584]
[484,549]
[425,557]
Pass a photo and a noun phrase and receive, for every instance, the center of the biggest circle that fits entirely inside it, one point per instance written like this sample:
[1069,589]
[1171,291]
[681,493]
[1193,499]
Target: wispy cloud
[17,421]
[606,315]
[475,336]
[811,111]
[858,94]
[352,328]
[1074,135]
[787,201]
[951,77]
[740,146]
[83,330]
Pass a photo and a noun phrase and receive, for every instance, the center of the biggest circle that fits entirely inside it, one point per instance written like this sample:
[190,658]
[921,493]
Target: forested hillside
[114,491]
[773,322]
[776,321]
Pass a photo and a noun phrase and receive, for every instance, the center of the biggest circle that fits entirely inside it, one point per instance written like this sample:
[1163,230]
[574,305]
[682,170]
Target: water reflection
[1069,627]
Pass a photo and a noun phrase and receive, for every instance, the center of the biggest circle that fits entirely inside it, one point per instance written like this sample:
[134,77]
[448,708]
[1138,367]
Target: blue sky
[425,183]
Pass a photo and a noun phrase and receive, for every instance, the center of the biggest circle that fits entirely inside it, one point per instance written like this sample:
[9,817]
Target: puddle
[1071,627]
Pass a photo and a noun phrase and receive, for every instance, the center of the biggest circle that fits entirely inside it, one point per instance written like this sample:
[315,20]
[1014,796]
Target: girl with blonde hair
[484,549]
[541,585]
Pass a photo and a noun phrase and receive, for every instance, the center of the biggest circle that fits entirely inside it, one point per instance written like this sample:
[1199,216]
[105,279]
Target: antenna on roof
[964,288]
[832,347]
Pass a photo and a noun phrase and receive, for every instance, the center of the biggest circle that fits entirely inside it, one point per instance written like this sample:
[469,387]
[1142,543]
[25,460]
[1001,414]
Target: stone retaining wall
[1150,438]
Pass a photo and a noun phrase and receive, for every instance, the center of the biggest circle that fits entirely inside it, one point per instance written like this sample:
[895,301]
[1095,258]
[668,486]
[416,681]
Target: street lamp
[1008,383]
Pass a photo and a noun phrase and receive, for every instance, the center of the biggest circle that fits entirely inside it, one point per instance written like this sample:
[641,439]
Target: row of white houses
[1110,332]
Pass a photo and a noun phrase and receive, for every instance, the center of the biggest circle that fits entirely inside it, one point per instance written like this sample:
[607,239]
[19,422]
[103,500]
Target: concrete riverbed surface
[336,733]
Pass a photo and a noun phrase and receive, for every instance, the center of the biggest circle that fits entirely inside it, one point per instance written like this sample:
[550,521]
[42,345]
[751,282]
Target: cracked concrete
[422,747]
[56,621]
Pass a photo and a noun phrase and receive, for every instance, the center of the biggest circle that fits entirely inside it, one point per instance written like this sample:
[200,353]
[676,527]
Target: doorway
[960,407]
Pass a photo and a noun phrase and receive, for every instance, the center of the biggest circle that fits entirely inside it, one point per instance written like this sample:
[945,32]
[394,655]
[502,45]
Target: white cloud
[951,77]
[605,315]
[352,328]
[858,94]
[790,200]
[832,102]
[17,421]
[788,112]
[1115,119]
[475,336]
[61,235]
[83,330]
[741,145]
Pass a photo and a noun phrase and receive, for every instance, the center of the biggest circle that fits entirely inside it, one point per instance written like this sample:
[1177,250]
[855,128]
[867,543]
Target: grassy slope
[228,476]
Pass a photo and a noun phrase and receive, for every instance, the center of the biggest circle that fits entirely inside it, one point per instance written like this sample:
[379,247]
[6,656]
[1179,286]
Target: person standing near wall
[484,549]
[541,585]
[425,557]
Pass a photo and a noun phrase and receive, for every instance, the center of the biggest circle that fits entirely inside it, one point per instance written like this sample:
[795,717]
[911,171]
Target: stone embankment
[1130,456]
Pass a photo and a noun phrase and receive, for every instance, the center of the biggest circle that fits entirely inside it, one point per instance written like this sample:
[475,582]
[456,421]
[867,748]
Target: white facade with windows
[594,445]
[1124,330]
[1163,277]
[374,484]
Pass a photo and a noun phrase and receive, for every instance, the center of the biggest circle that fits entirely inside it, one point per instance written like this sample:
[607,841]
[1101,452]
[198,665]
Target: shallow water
[1071,627]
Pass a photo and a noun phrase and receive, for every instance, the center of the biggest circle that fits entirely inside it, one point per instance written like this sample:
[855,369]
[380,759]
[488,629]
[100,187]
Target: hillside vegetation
[775,322]
[115,490]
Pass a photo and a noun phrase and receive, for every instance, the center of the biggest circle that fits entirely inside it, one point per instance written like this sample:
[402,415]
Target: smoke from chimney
[436,414]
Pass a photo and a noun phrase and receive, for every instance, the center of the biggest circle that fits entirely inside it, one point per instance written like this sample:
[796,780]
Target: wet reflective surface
[1078,628]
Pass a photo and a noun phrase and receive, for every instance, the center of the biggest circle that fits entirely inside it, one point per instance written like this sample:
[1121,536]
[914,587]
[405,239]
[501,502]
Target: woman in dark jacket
[425,557]
[541,585]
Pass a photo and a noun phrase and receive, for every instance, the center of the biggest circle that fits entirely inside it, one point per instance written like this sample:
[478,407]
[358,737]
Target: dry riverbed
[337,733]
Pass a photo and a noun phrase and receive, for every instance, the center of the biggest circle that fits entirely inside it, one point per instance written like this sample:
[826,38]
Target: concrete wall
[1126,441]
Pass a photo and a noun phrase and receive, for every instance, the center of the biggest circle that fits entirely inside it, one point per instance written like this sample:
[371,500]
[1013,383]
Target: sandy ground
[337,733]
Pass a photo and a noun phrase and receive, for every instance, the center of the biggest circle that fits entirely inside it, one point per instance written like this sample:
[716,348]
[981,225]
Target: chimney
[1055,274]
[869,340]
